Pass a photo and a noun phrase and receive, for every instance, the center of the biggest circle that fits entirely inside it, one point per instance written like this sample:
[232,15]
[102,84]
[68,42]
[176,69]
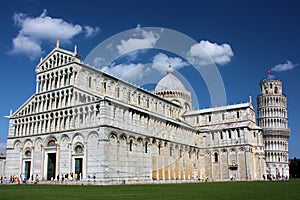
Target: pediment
[56,58]
[26,108]
[30,106]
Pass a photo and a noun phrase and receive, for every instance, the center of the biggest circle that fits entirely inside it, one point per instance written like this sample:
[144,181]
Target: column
[57,160]
[69,99]
[42,85]
[220,166]
[247,160]
[20,162]
[58,122]
[36,126]
[63,79]
[37,86]
[50,102]
[70,157]
[32,127]
[67,121]
[32,163]
[85,159]
[21,129]
[59,77]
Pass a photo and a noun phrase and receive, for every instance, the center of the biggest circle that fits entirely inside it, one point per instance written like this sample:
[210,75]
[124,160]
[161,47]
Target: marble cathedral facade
[86,122]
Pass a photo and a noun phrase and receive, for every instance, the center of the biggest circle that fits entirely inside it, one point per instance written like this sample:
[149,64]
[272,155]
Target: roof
[170,82]
[218,109]
[229,126]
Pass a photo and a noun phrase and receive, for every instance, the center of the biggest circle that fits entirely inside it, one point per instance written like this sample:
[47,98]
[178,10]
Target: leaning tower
[273,119]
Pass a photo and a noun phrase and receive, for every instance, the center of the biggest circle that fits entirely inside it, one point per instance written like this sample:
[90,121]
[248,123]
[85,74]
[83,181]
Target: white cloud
[141,73]
[284,67]
[130,72]
[206,52]
[90,31]
[161,63]
[143,39]
[26,45]
[98,62]
[36,30]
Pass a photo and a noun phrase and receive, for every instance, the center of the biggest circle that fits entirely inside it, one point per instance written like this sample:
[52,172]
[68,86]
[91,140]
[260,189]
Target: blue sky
[243,38]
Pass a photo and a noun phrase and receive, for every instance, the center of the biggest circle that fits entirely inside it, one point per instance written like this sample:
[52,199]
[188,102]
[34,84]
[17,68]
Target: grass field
[218,190]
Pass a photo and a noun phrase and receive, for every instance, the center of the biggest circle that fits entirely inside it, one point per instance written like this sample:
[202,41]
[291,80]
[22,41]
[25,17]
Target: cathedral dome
[169,82]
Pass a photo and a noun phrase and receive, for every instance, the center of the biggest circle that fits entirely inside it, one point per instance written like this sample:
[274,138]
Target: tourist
[94,177]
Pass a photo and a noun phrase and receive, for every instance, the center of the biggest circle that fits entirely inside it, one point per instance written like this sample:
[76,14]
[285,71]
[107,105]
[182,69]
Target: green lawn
[218,190]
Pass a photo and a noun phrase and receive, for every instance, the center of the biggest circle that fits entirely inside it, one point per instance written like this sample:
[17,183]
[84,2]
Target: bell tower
[273,119]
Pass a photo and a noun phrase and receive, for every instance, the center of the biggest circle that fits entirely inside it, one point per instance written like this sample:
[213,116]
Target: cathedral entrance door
[233,170]
[78,167]
[233,174]
[27,170]
[51,166]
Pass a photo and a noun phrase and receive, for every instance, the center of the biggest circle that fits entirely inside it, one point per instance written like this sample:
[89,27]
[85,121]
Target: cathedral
[86,123]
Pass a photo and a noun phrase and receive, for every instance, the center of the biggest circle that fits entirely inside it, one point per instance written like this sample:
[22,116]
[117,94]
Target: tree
[294,166]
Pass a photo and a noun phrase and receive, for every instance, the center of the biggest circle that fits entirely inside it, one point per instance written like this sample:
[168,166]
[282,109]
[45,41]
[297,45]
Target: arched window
[139,100]
[180,153]
[238,114]
[146,147]
[118,92]
[276,90]
[104,86]
[129,95]
[130,145]
[90,82]
[159,146]
[216,156]
[238,132]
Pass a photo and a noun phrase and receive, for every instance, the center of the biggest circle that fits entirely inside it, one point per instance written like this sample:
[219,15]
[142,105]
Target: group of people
[13,179]
[278,177]
[63,178]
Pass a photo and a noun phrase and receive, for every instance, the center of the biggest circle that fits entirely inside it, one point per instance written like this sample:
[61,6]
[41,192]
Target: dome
[169,82]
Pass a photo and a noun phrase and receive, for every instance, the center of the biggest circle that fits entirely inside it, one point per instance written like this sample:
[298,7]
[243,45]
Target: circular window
[27,153]
[51,143]
[78,149]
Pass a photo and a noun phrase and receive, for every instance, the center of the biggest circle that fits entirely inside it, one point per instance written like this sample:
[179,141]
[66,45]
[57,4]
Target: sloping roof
[218,109]
[229,126]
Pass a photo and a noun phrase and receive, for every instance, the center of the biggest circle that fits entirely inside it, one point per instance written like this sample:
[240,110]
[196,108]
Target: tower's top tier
[271,87]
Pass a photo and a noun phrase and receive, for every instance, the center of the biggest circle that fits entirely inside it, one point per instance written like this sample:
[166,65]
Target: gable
[26,108]
[56,58]
[33,105]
